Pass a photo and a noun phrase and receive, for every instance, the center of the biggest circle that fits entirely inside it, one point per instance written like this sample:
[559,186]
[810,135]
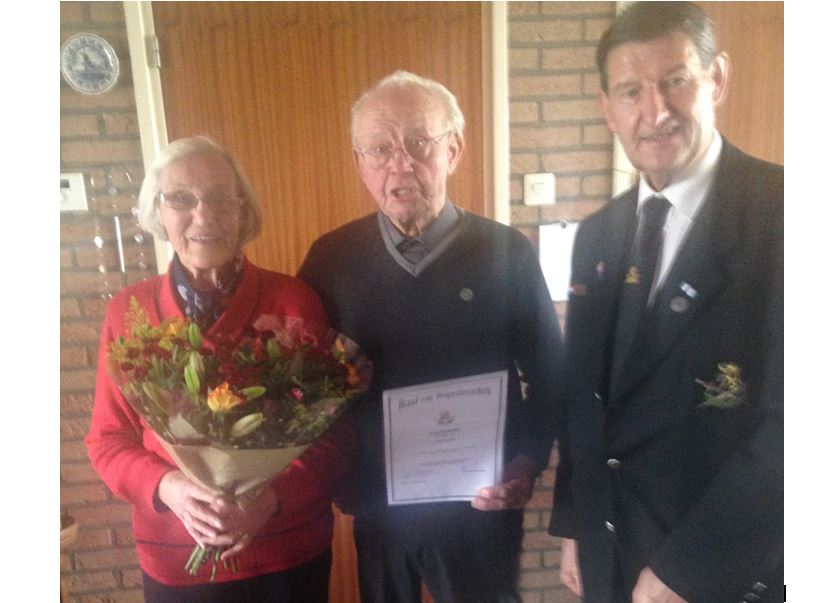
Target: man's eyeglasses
[221,203]
[419,148]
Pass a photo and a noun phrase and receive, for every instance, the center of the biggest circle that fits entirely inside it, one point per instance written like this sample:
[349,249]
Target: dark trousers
[476,563]
[307,583]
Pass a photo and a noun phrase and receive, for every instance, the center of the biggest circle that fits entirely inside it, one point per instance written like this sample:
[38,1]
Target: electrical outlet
[539,189]
[73,195]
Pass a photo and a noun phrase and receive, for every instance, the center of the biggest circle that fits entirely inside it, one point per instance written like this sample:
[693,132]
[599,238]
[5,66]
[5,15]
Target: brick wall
[99,138]
[555,126]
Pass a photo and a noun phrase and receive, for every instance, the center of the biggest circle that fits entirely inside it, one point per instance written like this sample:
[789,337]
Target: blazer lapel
[608,268]
[698,274]
[612,271]
[601,254]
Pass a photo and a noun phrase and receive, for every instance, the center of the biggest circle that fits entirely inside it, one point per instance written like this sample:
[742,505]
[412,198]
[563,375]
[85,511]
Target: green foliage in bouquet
[277,383]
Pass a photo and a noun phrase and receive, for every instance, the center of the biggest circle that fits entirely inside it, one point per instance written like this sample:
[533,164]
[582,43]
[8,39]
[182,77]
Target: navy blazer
[647,475]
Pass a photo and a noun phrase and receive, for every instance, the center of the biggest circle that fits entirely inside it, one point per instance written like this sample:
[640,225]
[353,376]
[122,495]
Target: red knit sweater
[131,462]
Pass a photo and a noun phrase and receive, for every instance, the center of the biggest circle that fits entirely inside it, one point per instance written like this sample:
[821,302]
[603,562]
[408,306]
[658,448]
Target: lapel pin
[679,304]
[600,269]
[466,294]
[633,277]
[688,290]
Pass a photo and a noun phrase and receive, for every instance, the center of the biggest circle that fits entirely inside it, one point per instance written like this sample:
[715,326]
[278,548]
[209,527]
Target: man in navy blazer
[670,481]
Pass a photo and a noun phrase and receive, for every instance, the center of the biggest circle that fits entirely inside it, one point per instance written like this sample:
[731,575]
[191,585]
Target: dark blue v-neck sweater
[482,306]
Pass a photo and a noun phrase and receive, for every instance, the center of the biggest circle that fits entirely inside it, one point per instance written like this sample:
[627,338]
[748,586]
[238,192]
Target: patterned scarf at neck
[205,306]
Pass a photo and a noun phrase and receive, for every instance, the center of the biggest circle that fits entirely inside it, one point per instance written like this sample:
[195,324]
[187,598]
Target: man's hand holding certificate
[444,440]
[515,490]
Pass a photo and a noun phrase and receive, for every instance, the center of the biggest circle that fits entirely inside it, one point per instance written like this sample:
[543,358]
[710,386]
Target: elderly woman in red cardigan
[197,197]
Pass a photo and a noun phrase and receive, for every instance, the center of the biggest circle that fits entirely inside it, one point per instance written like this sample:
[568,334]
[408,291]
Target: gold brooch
[633,277]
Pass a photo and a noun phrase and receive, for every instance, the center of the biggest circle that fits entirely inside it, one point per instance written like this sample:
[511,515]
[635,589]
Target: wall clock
[89,63]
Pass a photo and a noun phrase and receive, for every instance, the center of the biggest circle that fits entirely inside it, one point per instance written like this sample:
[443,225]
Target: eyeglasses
[221,203]
[419,148]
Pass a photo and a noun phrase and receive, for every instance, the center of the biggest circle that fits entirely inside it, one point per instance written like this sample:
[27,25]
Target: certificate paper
[444,440]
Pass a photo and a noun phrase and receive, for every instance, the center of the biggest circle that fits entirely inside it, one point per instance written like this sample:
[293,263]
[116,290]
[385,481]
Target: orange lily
[221,399]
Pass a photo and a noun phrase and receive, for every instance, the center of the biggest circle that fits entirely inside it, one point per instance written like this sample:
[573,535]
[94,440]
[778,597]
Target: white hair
[147,206]
[405,79]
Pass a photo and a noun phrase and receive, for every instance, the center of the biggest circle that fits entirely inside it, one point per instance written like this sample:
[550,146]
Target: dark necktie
[412,250]
[635,292]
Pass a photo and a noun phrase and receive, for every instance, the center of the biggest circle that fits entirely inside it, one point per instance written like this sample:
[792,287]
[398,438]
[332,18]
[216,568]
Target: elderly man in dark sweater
[432,292]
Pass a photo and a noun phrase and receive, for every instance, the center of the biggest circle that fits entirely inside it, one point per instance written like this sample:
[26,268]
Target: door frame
[148,95]
[151,117]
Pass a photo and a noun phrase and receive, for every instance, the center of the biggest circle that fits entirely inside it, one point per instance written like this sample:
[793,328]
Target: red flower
[250,375]
[228,371]
[297,393]
[153,349]
[258,349]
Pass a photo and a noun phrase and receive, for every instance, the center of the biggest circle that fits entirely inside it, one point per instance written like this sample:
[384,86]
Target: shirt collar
[432,235]
[687,193]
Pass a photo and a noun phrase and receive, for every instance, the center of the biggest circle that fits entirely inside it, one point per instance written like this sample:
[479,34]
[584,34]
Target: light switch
[73,195]
[539,189]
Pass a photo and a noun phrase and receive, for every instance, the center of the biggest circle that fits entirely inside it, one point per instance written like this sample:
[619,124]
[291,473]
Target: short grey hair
[147,206]
[405,79]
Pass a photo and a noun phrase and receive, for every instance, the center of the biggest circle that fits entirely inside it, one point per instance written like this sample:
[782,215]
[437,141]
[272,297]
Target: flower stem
[201,555]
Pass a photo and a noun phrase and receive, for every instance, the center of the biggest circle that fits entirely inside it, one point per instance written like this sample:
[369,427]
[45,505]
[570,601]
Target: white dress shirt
[686,197]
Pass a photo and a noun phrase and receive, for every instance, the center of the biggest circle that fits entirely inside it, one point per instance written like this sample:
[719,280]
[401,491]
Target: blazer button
[609,526]
[614,464]
[751,597]
[759,587]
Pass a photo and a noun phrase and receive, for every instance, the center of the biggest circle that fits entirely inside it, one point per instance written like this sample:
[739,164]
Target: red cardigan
[131,462]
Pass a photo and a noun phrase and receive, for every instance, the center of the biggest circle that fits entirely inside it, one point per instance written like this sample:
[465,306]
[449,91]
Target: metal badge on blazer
[679,304]
[600,269]
[688,290]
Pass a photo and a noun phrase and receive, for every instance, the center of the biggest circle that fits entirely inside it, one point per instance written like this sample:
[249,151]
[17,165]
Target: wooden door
[274,82]
[752,116]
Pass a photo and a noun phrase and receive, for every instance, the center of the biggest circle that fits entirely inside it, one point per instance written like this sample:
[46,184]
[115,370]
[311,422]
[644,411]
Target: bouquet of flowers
[233,411]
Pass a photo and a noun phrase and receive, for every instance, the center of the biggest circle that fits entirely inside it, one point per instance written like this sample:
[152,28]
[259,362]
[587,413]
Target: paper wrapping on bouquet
[234,410]
[231,471]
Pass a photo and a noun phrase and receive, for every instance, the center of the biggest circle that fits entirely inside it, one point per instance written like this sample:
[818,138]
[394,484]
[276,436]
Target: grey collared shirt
[415,254]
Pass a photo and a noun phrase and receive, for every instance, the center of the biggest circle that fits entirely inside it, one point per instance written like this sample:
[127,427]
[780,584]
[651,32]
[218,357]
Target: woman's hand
[213,520]
[196,506]
[244,520]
